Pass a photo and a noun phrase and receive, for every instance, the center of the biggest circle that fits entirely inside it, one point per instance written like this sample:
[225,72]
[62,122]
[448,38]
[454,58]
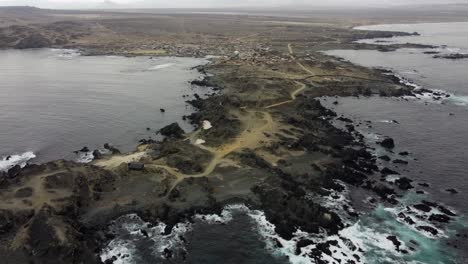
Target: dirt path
[293,96]
[291,54]
[255,122]
[116,160]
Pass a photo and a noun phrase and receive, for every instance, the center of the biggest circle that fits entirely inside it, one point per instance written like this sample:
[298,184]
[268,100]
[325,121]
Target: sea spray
[8,162]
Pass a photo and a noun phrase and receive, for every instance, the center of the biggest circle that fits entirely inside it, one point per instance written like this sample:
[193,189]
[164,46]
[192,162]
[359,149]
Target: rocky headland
[263,140]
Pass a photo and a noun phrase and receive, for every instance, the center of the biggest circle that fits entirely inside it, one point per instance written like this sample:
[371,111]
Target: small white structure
[207,125]
[200,141]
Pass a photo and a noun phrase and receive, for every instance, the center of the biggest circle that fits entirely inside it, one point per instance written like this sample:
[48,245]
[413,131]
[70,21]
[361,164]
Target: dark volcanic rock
[6,221]
[3,179]
[24,192]
[440,218]
[383,190]
[387,171]
[301,244]
[84,149]
[34,41]
[97,154]
[446,211]
[136,166]
[385,158]
[344,119]
[203,82]
[14,171]
[423,207]
[404,183]
[112,149]
[395,242]
[399,161]
[388,143]
[428,229]
[454,56]
[172,130]
[452,191]
[253,160]
[167,253]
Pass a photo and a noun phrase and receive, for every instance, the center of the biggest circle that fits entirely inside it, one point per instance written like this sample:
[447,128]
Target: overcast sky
[214,3]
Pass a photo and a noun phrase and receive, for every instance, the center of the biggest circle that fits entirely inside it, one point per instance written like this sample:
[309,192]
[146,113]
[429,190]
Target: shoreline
[271,146]
[139,156]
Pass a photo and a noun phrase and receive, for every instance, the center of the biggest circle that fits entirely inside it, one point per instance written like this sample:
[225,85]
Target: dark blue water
[434,132]
[54,97]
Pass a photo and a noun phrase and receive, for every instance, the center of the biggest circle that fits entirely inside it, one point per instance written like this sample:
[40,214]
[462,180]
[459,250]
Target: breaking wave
[131,231]
[161,66]
[8,162]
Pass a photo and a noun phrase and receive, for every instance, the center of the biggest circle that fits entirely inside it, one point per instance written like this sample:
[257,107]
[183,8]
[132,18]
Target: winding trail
[256,123]
[291,54]
[253,132]
[293,96]
[249,138]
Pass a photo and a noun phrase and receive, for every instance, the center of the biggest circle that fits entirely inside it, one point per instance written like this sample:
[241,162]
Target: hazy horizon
[71,4]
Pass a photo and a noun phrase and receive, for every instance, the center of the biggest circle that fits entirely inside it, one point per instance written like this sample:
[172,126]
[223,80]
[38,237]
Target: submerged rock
[388,143]
[399,161]
[404,183]
[423,207]
[452,191]
[395,242]
[112,149]
[385,158]
[387,171]
[454,56]
[439,218]
[428,229]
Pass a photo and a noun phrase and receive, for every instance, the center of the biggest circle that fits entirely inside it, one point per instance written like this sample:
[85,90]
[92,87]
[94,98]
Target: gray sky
[215,3]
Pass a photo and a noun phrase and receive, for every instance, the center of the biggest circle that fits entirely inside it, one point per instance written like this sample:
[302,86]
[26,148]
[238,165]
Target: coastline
[269,132]
[106,180]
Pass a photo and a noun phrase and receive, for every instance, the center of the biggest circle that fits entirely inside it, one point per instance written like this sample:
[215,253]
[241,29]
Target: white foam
[420,218]
[66,53]
[208,57]
[21,159]
[405,81]
[122,250]
[85,157]
[114,57]
[458,100]
[161,66]
[226,215]
[386,121]
[349,245]
[128,230]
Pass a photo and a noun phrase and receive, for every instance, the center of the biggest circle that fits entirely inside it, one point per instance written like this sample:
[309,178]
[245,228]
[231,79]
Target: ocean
[432,131]
[55,102]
